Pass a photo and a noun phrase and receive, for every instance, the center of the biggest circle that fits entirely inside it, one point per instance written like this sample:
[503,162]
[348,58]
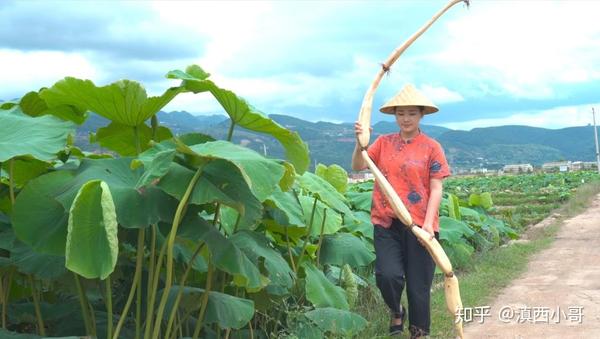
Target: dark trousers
[401,258]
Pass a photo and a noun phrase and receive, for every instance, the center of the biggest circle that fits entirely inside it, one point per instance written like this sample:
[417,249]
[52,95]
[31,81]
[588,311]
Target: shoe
[397,329]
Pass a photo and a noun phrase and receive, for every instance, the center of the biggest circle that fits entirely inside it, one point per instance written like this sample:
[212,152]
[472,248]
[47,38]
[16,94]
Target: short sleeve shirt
[408,166]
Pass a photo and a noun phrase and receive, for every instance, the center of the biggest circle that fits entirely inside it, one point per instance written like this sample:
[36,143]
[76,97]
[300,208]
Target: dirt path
[560,287]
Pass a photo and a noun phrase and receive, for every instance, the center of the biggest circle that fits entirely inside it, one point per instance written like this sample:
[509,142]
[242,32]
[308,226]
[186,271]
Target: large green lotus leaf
[92,245]
[501,227]
[362,225]
[365,186]
[220,182]
[124,101]
[327,193]
[122,138]
[306,330]
[244,115]
[136,208]
[156,168]
[22,256]
[228,311]
[335,175]
[5,202]
[469,214]
[286,208]
[333,273]
[333,221]
[147,157]
[261,174]
[344,248]
[278,231]
[486,200]
[40,212]
[25,169]
[289,177]
[228,257]
[229,218]
[33,105]
[337,321]
[184,251]
[6,334]
[224,309]
[40,137]
[320,291]
[360,200]
[257,246]
[474,199]
[38,219]
[453,230]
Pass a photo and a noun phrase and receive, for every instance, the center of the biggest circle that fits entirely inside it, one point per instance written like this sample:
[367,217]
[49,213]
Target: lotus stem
[134,285]
[154,125]
[150,289]
[154,288]
[216,217]
[237,223]
[36,305]
[180,292]
[230,132]
[183,321]
[321,236]
[11,180]
[83,302]
[312,218]
[138,308]
[170,245]
[289,248]
[109,308]
[6,296]
[204,301]
[2,298]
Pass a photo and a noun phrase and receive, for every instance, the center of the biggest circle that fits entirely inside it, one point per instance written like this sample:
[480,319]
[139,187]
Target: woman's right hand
[358,129]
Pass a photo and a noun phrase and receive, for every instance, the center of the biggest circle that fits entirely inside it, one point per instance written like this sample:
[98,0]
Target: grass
[482,280]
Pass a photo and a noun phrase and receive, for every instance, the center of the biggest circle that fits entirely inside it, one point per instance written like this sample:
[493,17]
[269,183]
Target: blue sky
[496,63]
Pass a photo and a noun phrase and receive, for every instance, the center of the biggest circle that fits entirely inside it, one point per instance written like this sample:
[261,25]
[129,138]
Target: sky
[498,62]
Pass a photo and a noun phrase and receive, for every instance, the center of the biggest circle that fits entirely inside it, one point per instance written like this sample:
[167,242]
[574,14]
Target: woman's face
[408,118]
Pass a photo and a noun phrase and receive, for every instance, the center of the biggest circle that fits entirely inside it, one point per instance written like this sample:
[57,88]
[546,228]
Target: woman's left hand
[429,230]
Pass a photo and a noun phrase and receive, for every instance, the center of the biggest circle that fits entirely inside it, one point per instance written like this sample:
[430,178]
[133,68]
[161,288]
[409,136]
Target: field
[168,236]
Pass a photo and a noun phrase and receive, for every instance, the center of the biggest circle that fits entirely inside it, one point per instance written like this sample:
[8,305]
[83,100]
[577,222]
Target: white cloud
[29,71]
[524,48]
[558,117]
[440,94]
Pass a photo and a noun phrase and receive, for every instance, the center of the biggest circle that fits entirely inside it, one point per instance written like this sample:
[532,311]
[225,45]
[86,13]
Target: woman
[415,166]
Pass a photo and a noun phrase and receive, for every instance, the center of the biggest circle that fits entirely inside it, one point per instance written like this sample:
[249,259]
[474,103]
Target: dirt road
[559,294]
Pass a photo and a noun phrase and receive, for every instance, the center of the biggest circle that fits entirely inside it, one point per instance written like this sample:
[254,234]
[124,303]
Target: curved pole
[452,292]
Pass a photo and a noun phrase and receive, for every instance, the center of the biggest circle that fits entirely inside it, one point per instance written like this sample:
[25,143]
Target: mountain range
[333,143]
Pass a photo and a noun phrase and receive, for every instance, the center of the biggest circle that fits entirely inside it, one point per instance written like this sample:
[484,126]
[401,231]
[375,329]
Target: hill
[330,143]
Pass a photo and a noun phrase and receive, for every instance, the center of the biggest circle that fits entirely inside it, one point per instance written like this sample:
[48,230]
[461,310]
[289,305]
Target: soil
[558,296]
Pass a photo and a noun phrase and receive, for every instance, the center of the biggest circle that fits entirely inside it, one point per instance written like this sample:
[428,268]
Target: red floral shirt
[408,166]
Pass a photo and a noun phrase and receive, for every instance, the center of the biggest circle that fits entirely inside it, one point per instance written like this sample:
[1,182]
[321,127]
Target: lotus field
[187,236]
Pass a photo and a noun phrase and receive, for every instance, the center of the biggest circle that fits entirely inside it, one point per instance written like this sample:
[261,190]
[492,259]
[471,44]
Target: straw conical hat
[409,96]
